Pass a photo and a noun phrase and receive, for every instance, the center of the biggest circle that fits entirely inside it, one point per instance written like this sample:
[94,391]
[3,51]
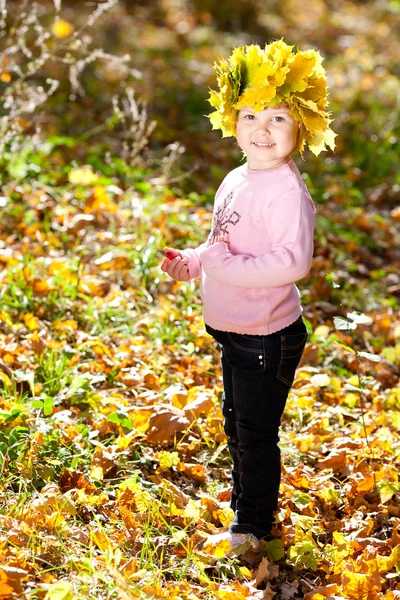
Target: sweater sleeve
[194,262]
[193,255]
[290,224]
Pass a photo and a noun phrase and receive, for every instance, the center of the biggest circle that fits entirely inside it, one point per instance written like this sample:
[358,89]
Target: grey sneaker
[239,543]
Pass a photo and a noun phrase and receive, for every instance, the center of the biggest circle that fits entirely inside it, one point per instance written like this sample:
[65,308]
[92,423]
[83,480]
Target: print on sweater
[222,218]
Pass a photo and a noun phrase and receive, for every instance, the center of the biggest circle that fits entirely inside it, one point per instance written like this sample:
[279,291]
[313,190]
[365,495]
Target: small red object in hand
[170,254]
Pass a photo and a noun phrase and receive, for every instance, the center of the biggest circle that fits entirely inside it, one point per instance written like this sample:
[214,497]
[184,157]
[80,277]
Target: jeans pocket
[292,347]
[245,352]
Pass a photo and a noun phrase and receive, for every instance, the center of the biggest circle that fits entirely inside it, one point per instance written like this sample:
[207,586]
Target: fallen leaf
[165,424]
[10,581]
[262,572]
[335,460]
[61,590]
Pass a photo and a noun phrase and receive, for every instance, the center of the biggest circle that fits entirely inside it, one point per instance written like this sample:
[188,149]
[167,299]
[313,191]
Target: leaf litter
[114,465]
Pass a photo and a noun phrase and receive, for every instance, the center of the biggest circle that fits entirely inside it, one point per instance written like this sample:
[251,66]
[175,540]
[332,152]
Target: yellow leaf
[94,286]
[192,511]
[112,261]
[320,380]
[386,563]
[97,473]
[142,499]
[226,516]
[62,29]
[168,459]
[387,490]
[140,417]
[245,572]
[82,176]
[322,331]
[41,287]
[100,539]
[68,325]
[30,321]
[359,586]
[222,594]
[100,201]
[323,592]
[5,77]
[5,318]
[218,550]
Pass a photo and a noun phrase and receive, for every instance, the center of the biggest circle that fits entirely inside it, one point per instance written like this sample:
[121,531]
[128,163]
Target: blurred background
[129,80]
[170,47]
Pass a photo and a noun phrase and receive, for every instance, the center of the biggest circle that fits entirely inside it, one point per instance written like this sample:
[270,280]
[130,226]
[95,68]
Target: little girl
[274,101]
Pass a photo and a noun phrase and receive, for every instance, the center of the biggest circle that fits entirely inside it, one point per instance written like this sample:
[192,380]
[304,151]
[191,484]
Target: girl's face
[267,137]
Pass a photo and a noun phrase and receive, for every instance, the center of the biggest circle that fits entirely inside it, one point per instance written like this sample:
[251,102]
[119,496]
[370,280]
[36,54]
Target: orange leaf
[165,424]
[194,471]
[100,539]
[41,287]
[218,550]
[335,460]
[366,484]
[10,582]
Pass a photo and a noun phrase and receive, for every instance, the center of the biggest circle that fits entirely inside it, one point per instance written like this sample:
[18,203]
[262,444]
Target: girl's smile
[267,137]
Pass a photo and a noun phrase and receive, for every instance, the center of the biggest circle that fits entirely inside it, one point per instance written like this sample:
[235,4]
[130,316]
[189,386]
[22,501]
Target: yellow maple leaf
[359,586]
[168,459]
[256,97]
[192,511]
[297,77]
[226,516]
[219,549]
[315,91]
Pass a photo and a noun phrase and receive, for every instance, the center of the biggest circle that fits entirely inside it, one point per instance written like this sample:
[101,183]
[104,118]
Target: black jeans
[257,371]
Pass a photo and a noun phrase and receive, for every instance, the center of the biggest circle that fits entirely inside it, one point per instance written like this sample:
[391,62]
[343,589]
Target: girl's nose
[264,126]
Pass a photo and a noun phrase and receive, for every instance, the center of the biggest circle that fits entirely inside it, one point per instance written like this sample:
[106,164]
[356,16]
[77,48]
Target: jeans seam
[239,347]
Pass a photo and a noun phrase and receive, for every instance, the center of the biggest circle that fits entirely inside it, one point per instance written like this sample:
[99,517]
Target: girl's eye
[249,117]
[279,119]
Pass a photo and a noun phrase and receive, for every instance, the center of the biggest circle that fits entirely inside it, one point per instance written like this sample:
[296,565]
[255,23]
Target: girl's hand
[175,265]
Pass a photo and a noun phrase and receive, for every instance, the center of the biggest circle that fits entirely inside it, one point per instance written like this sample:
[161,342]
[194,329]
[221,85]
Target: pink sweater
[268,218]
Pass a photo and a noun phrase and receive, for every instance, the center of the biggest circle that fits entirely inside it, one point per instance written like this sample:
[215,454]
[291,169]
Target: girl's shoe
[239,543]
